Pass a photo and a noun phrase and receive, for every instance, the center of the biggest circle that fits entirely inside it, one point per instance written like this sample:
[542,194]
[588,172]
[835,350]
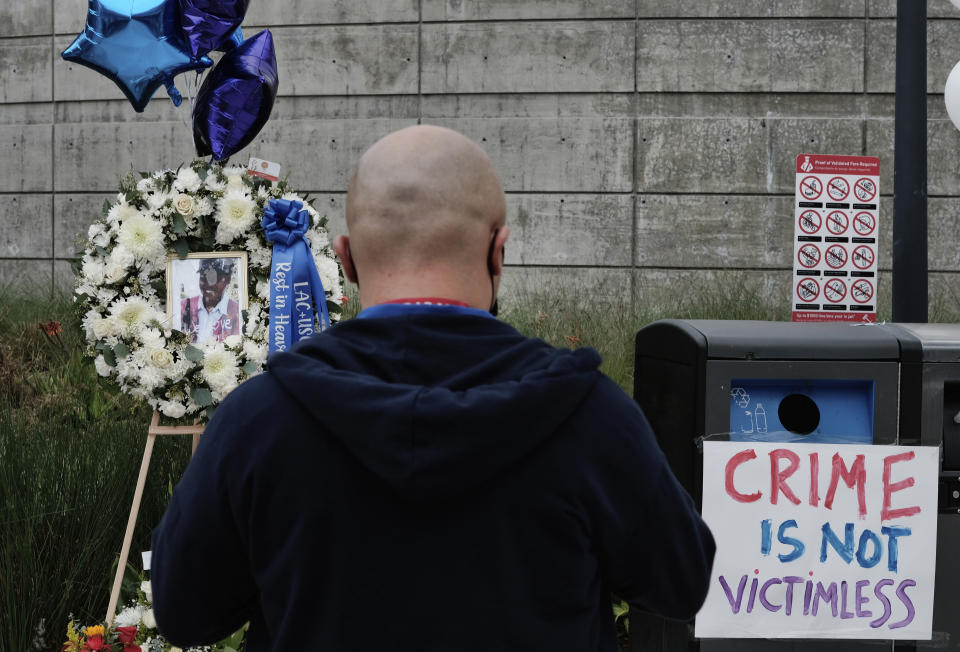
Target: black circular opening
[799,414]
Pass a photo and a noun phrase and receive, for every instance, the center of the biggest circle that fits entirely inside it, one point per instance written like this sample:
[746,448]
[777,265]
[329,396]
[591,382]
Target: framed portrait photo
[207,294]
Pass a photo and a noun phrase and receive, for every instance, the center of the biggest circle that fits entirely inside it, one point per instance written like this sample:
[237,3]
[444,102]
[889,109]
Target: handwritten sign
[820,541]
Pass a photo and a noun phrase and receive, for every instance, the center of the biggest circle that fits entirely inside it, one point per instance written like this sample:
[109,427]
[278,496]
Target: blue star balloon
[136,43]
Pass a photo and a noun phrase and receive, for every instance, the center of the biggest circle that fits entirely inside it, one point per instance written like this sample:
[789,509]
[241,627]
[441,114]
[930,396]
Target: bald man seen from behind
[423,477]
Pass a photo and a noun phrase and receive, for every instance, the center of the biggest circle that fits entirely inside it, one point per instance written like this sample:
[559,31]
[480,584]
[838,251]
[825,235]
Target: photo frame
[207,294]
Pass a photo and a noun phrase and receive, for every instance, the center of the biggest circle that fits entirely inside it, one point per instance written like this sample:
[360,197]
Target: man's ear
[341,245]
[496,251]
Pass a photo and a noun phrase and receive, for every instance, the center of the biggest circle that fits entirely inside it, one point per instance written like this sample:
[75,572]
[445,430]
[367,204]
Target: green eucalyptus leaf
[193,354]
[179,224]
[202,396]
[250,367]
[182,247]
[109,357]
[106,207]
[121,350]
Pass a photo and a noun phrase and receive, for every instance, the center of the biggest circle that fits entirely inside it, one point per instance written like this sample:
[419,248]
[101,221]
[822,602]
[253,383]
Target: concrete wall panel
[73,215]
[26,165]
[942,53]
[528,57]
[734,155]
[560,154]
[26,227]
[751,9]
[25,74]
[514,10]
[569,229]
[25,18]
[598,284]
[813,56]
[25,275]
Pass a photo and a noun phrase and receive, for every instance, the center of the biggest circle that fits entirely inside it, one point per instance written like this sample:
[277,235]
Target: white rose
[148,619]
[184,205]
[161,358]
[172,409]
[102,367]
[102,327]
[232,341]
[147,590]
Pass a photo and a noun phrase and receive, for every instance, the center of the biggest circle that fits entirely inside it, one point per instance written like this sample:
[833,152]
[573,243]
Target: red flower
[126,634]
[96,642]
[132,648]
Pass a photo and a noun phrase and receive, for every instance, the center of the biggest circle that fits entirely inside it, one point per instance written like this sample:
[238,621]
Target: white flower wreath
[121,282]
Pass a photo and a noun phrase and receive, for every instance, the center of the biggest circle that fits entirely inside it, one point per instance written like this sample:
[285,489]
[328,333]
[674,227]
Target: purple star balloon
[208,23]
[236,98]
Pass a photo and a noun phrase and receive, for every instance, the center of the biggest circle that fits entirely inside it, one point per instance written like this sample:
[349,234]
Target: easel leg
[131,523]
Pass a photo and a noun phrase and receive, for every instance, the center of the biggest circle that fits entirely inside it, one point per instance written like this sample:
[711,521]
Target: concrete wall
[645,145]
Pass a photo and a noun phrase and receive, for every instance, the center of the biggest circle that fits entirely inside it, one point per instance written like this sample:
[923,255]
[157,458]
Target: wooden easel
[152,432]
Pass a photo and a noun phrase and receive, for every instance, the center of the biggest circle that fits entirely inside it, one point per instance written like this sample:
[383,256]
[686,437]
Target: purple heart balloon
[208,23]
[235,100]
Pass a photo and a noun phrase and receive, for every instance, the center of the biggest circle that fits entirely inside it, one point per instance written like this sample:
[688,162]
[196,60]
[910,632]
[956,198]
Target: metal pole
[910,165]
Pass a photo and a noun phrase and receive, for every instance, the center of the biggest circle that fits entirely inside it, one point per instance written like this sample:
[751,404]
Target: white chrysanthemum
[187,180]
[129,616]
[234,171]
[262,192]
[172,409]
[97,234]
[258,255]
[220,369]
[263,290]
[255,351]
[102,367]
[142,236]
[329,272]
[235,216]
[131,315]
[319,239]
[93,270]
[146,185]
[120,212]
[203,207]
[158,199]
[213,184]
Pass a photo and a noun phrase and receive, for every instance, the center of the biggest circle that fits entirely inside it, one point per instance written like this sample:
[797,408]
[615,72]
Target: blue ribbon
[295,287]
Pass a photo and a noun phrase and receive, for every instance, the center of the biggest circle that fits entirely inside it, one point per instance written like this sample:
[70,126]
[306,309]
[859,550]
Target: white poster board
[820,541]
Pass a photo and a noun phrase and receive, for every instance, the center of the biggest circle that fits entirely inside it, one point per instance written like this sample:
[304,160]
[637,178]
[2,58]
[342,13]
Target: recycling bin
[930,416]
[761,381]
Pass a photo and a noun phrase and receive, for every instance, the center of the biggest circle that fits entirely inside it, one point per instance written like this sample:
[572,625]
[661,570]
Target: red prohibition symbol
[865,189]
[863,257]
[836,256]
[861,291]
[808,289]
[809,255]
[837,222]
[864,223]
[810,187]
[838,188]
[810,221]
[835,290]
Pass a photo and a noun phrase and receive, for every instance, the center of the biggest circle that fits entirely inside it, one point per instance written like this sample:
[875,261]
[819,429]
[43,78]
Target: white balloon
[951,94]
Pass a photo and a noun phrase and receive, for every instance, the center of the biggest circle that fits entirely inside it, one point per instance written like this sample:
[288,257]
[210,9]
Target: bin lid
[938,342]
[769,340]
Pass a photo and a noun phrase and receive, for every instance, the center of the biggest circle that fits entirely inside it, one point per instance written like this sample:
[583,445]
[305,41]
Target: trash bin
[762,381]
[930,416]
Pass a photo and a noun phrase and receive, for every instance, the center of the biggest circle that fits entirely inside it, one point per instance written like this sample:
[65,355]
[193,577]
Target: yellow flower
[93,630]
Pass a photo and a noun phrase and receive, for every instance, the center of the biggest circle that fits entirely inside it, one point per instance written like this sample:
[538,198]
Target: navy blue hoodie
[428,481]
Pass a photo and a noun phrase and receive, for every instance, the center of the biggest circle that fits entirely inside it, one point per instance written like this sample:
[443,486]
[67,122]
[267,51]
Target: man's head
[425,216]
[215,275]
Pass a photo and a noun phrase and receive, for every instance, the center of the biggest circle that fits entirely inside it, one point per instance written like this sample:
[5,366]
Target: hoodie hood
[432,403]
